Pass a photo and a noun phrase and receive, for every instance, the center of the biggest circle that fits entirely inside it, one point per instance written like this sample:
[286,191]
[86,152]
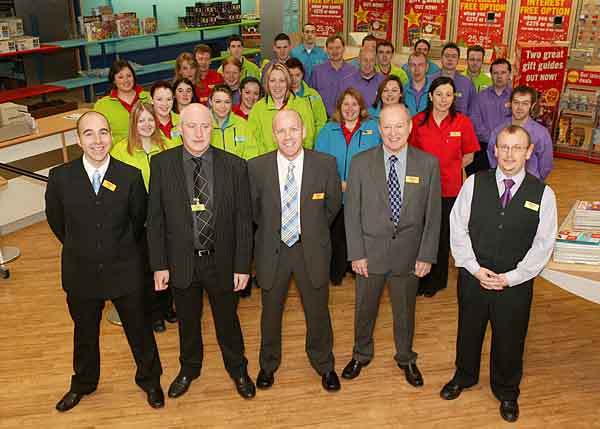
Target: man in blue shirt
[308,52]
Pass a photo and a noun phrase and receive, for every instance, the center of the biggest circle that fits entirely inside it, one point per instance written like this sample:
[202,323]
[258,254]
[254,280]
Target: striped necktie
[290,218]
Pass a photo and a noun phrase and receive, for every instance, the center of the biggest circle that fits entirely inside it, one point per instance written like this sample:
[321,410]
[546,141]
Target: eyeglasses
[515,149]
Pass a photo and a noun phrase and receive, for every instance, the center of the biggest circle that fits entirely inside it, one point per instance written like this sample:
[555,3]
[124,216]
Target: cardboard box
[15,130]
[27,43]
[15,26]
[7,46]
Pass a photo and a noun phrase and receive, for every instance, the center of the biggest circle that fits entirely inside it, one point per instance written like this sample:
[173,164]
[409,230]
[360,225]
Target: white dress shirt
[543,243]
[90,169]
[282,167]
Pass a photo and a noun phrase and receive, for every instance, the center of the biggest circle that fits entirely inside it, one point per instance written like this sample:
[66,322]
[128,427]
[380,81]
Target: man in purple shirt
[365,80]
[490,109]
[327,78]
[522,100]
[465,91]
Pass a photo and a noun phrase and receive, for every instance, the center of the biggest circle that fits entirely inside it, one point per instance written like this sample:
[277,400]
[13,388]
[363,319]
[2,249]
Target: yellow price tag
[109,185]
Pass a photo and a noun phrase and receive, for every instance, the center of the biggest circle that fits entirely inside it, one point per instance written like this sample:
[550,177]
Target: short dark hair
[418,42]
[160,84]
[295,63]
[282,36]
[202,48]
[251,79]
[235,38]
[437,82]
[367,38]
[116,67]
[524,89]
[384,43]
[513,129]
[333,38]
[308,23]
[500,61]
[451,45]
[476,48]
[221,88]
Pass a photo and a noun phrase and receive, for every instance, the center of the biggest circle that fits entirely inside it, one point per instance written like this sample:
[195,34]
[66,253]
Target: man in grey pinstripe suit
[200,238]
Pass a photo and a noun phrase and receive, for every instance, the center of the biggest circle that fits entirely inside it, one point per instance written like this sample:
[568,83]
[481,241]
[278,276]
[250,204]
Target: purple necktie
[506,196]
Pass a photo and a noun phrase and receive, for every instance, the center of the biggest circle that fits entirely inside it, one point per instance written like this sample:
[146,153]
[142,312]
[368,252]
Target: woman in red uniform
[449,136]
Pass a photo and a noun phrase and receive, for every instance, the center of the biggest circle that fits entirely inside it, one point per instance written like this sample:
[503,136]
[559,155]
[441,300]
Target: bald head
[289,133]
[394,126]
[194,111]
[84,121]
[366,60]
[196,128]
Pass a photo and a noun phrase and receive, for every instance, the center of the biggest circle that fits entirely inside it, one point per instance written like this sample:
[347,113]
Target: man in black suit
[96,207]
[200,238]
[296,194]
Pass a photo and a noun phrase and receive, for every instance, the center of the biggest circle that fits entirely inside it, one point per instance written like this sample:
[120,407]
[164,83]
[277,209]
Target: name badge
[197,207]
[458,94]
[175,133]
[412,179]
[318,196]
[240,138]
[109,185]
[367,132]
[455,134]
[532,206]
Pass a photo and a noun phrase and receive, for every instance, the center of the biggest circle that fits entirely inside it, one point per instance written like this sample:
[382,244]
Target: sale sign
[327,16]
[481,22]
[544,20]
[583,77]
[542,67]
[424,18]
[374,17]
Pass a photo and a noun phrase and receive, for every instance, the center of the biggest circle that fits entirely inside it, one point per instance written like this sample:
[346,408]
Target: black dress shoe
[179,386]
[246,292]
[265,379]
[352,370]
[70,400]
[412,374]
[170,316]
[156,397]
[429,293]
[245,386]
[451,391]
[509,410]
[330,381]
[159,326]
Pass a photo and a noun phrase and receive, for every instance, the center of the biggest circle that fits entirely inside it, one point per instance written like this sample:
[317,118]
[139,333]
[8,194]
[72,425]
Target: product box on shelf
[4,30]
[127,24]
[26,43]
[15,26]
[7,46]
[148,25]
[204,14]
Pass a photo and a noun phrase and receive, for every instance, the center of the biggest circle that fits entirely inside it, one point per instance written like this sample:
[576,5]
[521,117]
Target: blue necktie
[96,181]
[290,218]
[394,191]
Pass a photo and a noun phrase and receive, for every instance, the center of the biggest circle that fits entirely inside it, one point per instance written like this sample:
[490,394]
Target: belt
[201,252]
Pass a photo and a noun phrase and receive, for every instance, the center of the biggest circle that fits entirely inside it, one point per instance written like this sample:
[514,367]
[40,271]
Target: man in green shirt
[385,52]
[480,79]
[236,49]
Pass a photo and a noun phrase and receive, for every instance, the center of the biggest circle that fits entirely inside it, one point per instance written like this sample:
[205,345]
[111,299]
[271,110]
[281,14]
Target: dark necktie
[206,232]
[506,196]
[394,191]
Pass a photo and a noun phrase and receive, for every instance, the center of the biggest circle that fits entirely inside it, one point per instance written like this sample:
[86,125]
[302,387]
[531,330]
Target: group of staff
[237,183]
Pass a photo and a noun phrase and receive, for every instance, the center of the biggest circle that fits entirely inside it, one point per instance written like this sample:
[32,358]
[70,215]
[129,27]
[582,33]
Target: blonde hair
[283,69]
[134,141]
[182,58]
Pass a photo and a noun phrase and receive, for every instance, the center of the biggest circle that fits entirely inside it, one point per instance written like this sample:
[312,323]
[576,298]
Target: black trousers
[437,279]
[158,303]
[339,253]
[223,303]
[315,301]
[86,315]
[508,312]
[480,160]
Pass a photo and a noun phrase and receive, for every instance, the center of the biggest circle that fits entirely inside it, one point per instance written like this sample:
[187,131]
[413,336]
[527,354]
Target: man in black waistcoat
[96,207]
[200,238]
[502,232]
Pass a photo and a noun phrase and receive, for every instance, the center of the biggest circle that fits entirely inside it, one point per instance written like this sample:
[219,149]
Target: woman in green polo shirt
[143,142]
[278,96]
[167,120]
[125,92]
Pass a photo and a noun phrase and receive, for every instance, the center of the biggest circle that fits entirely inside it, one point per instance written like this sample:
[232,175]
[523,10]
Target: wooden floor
[560,389]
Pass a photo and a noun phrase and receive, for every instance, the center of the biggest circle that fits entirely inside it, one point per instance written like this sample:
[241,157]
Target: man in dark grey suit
[295,197]
[200,238]
[392,221]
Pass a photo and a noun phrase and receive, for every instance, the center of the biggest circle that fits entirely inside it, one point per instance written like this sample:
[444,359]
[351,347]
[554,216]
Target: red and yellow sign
[327,15]
[544,20]
[481,22]
[583,77]
[424,18]
[374,17]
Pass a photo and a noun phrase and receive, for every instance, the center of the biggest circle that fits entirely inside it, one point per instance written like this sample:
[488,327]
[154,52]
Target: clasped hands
[161,280]
[490,280]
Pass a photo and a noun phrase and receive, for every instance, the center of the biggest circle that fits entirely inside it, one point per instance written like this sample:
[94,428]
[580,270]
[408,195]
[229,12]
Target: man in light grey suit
[296,194]
[392,218]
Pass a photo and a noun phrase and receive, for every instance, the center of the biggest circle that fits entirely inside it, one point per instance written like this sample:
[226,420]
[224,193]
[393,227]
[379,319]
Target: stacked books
[587,215]
[574,245]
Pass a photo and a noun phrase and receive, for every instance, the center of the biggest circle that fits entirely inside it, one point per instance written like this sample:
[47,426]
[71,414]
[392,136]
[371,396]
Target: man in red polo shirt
[206,78]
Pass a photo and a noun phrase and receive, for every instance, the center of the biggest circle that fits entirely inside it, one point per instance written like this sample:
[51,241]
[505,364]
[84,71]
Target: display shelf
[30,91]
[43,49]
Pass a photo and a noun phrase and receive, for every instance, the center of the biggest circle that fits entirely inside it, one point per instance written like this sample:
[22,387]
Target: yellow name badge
[455,134]
[109,185]
[197,207]
[532,206]
[459,94]
[412,179]
[318,196]
[367,132]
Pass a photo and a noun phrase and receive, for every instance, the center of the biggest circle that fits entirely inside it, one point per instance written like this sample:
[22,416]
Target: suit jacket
[319,176]
[371,234]
[170,223]
[102,235]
